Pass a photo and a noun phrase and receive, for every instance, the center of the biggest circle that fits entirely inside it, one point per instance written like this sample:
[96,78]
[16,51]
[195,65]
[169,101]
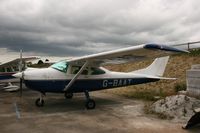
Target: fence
[189,44]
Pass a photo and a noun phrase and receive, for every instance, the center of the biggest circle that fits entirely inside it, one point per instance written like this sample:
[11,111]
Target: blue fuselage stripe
[82,85]
[4,77]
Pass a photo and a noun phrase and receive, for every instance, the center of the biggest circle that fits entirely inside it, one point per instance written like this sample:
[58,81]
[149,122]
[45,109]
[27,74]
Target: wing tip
[164,48]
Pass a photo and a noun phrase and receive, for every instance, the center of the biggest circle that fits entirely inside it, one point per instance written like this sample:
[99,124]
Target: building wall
[193,81]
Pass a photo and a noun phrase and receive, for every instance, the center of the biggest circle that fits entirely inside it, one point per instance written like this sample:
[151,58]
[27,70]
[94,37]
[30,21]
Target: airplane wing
[17,60]
[134,53]
[139,52]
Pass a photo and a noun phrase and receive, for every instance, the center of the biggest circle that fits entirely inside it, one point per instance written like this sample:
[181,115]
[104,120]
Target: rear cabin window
[60,66]
[96,71]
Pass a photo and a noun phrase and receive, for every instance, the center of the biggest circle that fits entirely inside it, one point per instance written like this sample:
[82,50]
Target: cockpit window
[61,66]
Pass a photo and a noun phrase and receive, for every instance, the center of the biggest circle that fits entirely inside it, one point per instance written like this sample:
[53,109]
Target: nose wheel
[40,102]
[90,103]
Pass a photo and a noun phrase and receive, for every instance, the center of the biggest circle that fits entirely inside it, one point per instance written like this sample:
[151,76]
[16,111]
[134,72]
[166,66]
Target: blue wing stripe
[164,48]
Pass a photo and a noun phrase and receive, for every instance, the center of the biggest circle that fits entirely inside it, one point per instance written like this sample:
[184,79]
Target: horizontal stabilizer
[157,77]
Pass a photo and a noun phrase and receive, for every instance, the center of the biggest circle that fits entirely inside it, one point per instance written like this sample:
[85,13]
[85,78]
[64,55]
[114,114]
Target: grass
[177,66]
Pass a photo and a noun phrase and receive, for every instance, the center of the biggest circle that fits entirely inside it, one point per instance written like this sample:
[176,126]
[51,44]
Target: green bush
[195,52]
[180,87]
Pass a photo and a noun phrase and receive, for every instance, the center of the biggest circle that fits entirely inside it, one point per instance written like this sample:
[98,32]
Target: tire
[68,95]
[39,103]
[90,104]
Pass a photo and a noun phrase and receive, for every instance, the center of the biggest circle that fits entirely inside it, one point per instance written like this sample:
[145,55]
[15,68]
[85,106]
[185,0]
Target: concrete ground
[113,114]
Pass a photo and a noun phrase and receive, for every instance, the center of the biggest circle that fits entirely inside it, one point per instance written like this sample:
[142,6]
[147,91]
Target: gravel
[178,107]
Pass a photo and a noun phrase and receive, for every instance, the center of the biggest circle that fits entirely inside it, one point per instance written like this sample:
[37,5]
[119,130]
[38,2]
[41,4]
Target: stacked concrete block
[193,81]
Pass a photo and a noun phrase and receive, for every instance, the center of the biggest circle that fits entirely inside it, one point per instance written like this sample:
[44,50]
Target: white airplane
[7,69]
[85,74]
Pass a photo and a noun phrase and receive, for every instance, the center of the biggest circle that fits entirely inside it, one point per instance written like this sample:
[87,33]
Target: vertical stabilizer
[157,68]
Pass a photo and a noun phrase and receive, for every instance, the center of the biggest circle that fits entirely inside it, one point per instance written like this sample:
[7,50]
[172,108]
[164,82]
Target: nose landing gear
[39,101]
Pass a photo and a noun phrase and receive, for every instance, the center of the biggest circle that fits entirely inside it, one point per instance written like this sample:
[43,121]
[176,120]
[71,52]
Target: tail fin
[157,68]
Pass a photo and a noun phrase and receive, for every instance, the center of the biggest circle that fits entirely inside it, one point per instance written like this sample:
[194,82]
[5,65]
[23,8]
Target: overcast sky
[79,27]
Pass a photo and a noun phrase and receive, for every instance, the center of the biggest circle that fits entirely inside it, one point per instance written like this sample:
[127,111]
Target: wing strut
[76,76]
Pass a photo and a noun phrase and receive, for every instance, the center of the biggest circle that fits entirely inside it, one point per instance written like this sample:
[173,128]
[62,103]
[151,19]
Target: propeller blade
[20,62]
[20,69]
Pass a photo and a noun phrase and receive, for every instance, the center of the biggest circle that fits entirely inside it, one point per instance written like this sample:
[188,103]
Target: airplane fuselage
[51,80]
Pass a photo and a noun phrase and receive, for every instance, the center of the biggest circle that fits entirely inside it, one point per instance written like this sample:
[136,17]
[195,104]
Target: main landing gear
[90,103]
[40,102]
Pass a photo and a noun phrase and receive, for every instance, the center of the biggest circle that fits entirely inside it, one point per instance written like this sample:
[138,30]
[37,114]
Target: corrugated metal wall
[193,81]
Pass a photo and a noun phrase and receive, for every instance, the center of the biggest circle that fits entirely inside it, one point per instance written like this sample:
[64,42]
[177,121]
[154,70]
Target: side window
[85,72]
[9,69]
[15,68]
[75,70]
[96,71]
[2,69]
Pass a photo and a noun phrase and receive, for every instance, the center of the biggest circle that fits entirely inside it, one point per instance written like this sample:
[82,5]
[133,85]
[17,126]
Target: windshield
[61,66]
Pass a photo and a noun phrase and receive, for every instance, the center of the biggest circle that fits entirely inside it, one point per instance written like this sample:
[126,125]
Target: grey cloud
[74,27]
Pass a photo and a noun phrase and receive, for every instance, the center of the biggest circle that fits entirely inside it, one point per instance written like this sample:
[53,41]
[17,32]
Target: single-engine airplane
[85,74]
[7,69]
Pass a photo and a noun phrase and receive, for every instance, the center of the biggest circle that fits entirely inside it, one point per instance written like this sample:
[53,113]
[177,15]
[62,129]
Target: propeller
[20,70]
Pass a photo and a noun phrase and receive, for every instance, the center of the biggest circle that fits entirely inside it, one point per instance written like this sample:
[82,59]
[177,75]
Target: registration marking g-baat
[116,82]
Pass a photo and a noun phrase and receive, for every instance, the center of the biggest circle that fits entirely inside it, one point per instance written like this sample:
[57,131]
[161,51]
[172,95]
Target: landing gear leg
[40,102]
[90,103]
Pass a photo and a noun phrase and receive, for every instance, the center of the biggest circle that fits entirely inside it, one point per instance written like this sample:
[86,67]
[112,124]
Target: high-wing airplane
[7,69]
[85,74]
